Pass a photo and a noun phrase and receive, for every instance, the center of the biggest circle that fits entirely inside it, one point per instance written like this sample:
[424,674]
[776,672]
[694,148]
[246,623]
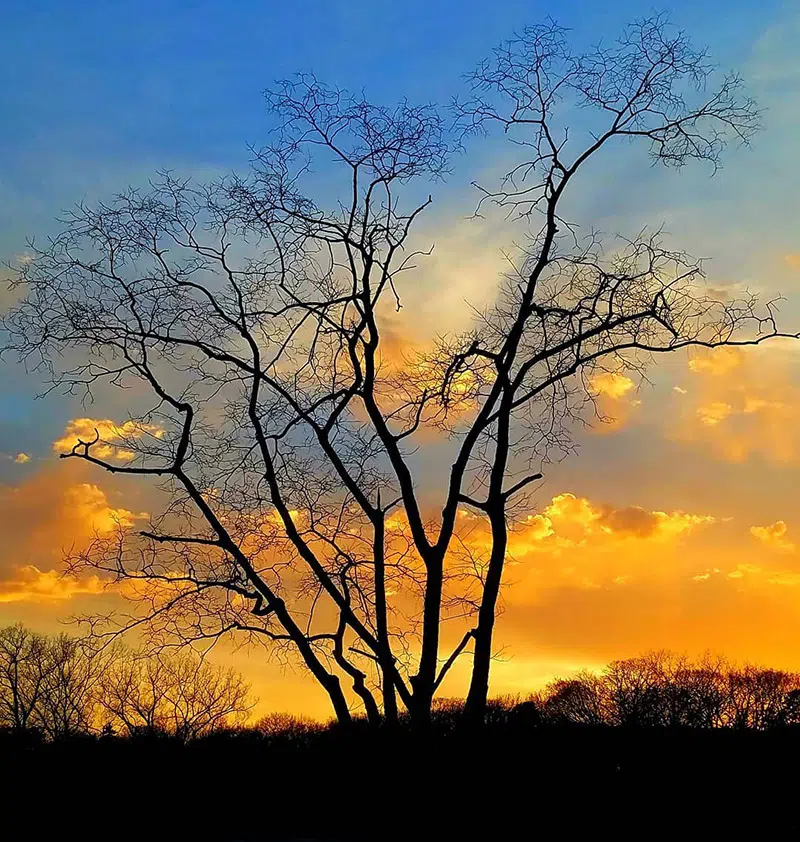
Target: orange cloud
[42,518]
[90,505]
[717,362]
[577,519]
[773,536]
[714,413]
[611,384]
[614,397]
[29,584]
[576,540]
[22,458]
[743,404]
[114,440]
[793,260]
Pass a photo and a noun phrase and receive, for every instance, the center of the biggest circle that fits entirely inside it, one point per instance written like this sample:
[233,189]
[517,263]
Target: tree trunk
[424,682]
[334,690]
[386,658]
[475,707]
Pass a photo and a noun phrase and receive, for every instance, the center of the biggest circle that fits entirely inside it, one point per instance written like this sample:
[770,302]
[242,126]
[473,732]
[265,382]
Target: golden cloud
[576,542]
[718,411]
[755,575]
[90,505]
[22,458]
[633,521]
[713,413]
[611,384]
[744,404]
[570,522]
[613,393]
[719,361]
[29,584]
[46,515]
[640,523]
[773,536]
[114,440]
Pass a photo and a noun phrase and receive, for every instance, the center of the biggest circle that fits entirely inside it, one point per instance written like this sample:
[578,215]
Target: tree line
[59,687]
[662,689]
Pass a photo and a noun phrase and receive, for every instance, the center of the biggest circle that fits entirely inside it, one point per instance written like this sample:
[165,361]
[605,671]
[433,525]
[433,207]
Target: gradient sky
[683,526]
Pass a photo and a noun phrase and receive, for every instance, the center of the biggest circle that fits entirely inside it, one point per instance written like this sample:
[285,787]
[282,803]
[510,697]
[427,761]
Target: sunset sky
[677,524]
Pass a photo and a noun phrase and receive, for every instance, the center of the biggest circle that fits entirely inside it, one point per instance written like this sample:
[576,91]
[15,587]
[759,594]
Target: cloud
[629,521]
[48,514]
[29,584]
[773,536]
[570,522]
[22,458]
[640,523]
[460,275]
[742,404]
[717,362]
[613,393]
[714,413]
[611,384]
[90,504]
[578,542]
[114,440]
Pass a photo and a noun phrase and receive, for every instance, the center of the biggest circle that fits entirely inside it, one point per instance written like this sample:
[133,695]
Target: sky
[676,526]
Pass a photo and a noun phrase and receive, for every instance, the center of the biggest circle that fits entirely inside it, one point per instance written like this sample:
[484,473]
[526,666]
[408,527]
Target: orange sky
[675,527]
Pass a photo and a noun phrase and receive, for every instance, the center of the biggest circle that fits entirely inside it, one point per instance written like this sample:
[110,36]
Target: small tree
[179,695]
[282,429]
[581,700]
[67,704]
[24,669]
[758,698]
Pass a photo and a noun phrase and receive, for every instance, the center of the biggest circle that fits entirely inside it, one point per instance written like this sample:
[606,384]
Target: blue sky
[96,95]
[92,90]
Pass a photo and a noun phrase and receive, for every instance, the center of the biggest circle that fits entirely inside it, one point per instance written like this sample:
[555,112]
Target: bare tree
[68,699]
[662,689]
[759,698]
[24,667]
[581,700]
[288,727]
[281,433]
[180,695]
[47,684]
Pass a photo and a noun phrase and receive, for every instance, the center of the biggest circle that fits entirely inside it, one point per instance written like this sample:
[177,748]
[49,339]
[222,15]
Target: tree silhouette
[24,667]
[178,695]
[281,433]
